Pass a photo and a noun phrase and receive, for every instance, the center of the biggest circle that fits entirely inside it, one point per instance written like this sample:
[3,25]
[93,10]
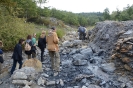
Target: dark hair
[53,28]
[21,40]
[29,37]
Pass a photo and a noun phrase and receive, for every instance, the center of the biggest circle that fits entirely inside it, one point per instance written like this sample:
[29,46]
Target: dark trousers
[14,65]
[42,52]
[82,36]
[34,54]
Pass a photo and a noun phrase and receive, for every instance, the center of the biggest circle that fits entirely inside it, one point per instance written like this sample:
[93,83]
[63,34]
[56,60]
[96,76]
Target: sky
[78,6]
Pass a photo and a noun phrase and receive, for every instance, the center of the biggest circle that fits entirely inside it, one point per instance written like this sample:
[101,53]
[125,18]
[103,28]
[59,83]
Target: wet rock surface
[102,61]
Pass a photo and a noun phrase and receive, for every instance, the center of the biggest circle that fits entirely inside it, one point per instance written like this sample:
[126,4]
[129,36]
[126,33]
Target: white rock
[61,82]
[41,81]
[45,75]
[50,83]
[76,87]
[19,75]
[20,82]
[84,87]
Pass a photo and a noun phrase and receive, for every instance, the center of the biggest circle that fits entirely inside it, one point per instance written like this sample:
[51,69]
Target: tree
[28,8]
[7,6]
[40,1]
[106,14]
[82,21]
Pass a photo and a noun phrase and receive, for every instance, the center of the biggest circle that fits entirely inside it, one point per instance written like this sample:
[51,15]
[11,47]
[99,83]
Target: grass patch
[90,27]
[60,33]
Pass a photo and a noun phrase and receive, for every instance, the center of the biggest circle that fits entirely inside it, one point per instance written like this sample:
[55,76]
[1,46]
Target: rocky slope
[91,63]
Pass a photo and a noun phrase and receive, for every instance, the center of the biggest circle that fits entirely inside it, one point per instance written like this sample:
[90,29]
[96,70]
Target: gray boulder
[80,62]
[108,67]
[86,52]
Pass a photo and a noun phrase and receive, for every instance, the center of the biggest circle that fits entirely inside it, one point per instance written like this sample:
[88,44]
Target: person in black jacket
[1,56]
[42,44]
[17,55]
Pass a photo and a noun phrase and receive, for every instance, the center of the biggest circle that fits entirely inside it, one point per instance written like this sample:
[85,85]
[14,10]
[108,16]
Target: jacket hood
[28,40]
[50,33]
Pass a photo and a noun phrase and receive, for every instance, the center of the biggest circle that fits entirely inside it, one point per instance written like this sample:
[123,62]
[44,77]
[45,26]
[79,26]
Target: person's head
[21,41]
[29,37]
[1,44]
[53,29]
[34,34]
[43,34]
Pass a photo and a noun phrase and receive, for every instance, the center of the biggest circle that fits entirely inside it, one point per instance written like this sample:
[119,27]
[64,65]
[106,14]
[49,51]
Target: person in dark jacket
[1,56]
[42,44]
[17,55]
[81,31]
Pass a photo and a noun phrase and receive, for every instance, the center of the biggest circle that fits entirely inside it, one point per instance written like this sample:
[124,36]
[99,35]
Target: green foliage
[7,6]
[12,29]
[28,8]
[60,33]
[106,14]
[91,18]
[126,14]
[38,35]
[40,1]
[39,20]
[43,12]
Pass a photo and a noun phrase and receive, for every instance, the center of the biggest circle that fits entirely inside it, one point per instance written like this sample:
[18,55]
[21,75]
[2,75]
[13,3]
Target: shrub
[12,29]
[39,20]
[60,33]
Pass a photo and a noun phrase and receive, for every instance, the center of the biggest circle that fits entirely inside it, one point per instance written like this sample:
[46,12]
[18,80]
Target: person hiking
[29,44]
[53,48]
[17,55]
[42,44]
[85,32]
[81,31]
[34,45]
[1,56]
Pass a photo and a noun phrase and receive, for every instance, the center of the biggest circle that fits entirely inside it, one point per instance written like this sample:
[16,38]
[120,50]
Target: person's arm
[44,40]
[19,52]
[1,52]
[39,42]
[56,40]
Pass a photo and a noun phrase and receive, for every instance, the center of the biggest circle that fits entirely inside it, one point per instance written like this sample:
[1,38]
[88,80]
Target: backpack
[83,30]
[27,47]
